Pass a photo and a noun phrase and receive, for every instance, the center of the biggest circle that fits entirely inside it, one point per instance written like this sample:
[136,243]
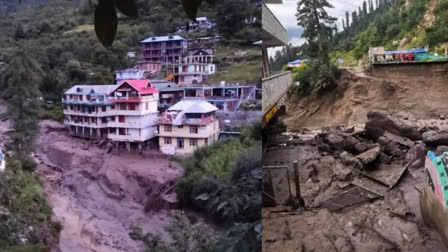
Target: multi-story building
[186,126]
[135,115]
[164,50]
[196,67]
[201,23]
[87,110]
[126,112]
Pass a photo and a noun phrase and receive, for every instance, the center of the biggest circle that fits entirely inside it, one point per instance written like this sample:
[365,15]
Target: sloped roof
[142,86]
[297,62]
[162,38]
[87,89]
[193,106]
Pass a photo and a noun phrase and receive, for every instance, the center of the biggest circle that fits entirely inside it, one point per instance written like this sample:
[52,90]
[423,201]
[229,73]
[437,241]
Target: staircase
[244,98]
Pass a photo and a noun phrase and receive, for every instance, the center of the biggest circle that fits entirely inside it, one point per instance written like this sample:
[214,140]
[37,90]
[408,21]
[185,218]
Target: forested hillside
[60,37]
[393,24]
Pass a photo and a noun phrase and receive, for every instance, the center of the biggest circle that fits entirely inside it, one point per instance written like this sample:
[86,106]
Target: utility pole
[300,201]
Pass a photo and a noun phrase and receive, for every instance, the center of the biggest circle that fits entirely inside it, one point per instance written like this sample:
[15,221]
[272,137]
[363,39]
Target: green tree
[20,83]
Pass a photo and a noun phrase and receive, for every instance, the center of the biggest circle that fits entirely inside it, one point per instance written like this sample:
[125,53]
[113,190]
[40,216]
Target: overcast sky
[286,14]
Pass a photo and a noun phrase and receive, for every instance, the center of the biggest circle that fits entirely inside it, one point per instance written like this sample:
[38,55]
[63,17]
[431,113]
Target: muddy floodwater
[98,197]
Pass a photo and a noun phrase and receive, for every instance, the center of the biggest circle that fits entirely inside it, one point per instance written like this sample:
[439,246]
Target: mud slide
[417,98]
[98,197]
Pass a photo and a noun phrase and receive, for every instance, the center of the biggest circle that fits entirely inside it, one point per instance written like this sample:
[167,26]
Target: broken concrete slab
[369,156]
[388,175]
[349,198]
[370,185]
[350,161]
[398,139]
[378,122]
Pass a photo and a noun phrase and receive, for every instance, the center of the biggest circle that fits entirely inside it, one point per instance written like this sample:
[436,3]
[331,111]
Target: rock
[441,149]
[383,141]
[416,152]
[434,137]
[360,147]
[350,161]
[335,141]
[416,164]
[394,149]
[385,159]
[350,143]
[378,122]
[369,156]
[323,148]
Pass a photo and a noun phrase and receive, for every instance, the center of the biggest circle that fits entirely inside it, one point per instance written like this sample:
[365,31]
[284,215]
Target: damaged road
[361,186]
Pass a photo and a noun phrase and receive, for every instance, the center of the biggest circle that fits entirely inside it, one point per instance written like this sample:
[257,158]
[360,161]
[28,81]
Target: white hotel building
[126,112]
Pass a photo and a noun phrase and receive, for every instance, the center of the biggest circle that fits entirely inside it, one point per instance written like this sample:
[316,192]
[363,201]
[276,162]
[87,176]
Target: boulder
[416,152]
[350,143]
[441,149]
[361,147]
[378,122]
[335,141]
[434,137]
[369,156]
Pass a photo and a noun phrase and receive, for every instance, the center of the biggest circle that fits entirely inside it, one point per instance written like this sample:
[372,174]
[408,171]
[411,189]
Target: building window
[113,107]
[206,141]
[167,140]
[112,118]
[122,131]
[193,142]
[104,119]
[122,106]
[103,108]
[168,128]
[132,106]
[147,105]
[112,130]
[193,130]
[180,126]
[121,119]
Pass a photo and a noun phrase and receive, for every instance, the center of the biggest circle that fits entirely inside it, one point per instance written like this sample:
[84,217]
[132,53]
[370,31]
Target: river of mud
[99,197]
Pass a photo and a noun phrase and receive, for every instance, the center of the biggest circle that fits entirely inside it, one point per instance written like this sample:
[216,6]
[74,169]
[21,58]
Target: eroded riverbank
[98,197]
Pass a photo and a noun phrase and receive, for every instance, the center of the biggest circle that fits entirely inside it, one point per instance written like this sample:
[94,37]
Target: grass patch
[81,28]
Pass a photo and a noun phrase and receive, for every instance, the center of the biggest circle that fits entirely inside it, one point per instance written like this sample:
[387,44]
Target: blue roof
[415,50]
[162,38]
[298,62]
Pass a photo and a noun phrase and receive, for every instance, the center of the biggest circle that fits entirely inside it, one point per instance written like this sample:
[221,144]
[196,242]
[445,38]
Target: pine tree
[364,8]
[370,6]
[347,19]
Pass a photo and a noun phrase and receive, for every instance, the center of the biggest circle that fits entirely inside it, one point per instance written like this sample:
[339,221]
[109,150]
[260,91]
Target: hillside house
[164,49]
[201,23]
[196,67]
[186,126]
[126,112]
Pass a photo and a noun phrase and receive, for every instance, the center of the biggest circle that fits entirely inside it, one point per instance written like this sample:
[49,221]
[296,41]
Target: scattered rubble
[364,182]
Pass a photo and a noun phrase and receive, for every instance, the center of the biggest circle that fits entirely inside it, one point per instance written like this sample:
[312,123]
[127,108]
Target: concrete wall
[274,88]
[203,131]
[274,34]
[416,69]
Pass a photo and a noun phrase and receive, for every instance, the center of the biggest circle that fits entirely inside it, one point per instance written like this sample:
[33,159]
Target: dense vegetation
[47,49]
[224,181]
[60,37]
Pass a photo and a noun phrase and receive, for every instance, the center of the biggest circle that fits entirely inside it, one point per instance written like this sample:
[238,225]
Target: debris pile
[367,180]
